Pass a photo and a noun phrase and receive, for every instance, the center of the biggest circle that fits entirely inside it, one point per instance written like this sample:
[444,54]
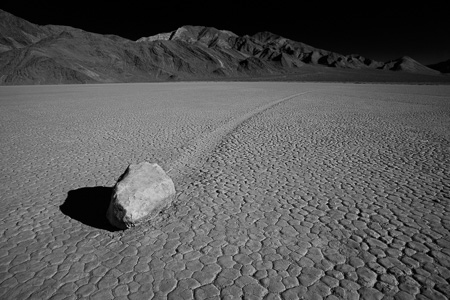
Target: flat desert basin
[284,191]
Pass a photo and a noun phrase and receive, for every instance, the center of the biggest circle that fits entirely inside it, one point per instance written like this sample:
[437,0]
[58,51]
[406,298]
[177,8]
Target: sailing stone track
[285,191]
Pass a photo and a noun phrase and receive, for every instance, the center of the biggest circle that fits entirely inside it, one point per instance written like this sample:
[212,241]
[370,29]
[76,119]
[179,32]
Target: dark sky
[378,30]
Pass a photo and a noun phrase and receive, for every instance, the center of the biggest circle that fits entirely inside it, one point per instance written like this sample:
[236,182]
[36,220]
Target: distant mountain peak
[189,33]
[266,36]
[406,63]
[407,58]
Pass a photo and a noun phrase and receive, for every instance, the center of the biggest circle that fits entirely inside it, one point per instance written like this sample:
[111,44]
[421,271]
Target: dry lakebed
[283,191]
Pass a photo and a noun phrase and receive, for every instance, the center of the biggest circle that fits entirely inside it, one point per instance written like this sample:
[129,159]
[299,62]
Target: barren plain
[284,191]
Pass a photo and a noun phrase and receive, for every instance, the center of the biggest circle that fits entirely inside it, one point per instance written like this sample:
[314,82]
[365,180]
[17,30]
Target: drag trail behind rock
[203,145]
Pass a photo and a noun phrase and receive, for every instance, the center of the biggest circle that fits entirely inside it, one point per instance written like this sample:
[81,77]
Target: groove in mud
[206,143]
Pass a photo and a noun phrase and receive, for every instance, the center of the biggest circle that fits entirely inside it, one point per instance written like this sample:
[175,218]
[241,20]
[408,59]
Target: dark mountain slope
[443,67]
[18,33]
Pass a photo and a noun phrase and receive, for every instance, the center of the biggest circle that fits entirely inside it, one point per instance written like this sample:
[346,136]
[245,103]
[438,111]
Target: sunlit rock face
[139,194]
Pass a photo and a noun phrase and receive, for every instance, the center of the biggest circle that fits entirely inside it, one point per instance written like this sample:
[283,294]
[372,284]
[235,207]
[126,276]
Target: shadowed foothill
[88,205]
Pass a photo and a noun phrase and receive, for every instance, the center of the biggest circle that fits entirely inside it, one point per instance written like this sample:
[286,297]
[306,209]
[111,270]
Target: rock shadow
[89,205]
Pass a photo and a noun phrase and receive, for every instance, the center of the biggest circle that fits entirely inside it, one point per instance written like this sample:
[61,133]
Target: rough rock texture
[140,193]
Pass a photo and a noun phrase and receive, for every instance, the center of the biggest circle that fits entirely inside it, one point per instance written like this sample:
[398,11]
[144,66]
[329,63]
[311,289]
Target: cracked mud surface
[285,191]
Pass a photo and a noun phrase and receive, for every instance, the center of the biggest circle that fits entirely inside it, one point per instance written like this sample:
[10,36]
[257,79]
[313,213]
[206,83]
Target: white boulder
[139,194]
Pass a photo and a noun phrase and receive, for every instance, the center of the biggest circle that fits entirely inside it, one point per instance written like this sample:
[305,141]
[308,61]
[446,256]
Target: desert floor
[284,190]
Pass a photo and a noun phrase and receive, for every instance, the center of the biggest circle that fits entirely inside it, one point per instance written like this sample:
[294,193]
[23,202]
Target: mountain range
[53,54]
